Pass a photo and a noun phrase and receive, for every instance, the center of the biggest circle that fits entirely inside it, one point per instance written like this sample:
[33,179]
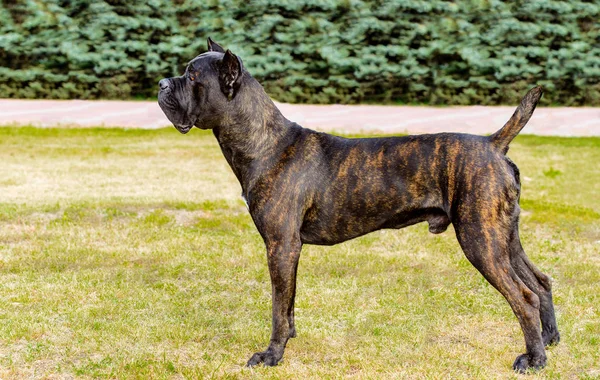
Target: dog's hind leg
[283,254]
[539,283]
[485,241]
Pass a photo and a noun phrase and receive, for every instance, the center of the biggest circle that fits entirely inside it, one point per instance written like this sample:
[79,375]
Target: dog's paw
[268,358]
[550,339]
[525,362]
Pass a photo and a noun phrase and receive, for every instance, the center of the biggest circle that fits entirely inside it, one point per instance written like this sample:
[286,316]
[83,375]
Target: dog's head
[201,97]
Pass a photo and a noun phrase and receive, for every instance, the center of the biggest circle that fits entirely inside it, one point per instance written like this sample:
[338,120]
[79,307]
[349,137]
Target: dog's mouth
[183,129]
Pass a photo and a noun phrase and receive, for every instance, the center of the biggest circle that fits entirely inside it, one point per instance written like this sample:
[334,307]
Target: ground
[553,121]
[130,254]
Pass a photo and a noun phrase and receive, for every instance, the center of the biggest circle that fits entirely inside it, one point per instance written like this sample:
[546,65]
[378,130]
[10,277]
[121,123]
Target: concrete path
[340,118]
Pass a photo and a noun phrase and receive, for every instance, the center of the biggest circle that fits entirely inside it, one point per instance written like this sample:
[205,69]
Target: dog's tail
[511,129]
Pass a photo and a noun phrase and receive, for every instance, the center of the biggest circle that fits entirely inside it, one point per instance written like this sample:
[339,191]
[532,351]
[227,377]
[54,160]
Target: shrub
[326,51]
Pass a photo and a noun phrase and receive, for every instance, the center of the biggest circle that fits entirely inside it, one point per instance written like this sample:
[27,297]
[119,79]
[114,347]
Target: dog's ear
[213,46]
[230,73]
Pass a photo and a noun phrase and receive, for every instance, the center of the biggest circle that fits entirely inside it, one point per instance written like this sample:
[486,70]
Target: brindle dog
[306,187]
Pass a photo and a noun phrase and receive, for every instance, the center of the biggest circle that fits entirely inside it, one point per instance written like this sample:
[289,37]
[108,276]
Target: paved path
[340,118]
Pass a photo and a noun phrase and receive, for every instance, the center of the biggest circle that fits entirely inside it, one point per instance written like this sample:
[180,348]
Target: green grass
[130,254]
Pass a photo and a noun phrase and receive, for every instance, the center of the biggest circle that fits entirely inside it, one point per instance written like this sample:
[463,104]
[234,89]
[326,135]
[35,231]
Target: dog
[307,187]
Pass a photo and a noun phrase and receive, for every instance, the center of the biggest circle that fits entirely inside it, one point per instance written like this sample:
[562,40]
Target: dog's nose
[163,84]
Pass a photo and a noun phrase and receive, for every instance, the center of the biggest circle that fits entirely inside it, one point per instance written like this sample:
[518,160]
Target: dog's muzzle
[166,103]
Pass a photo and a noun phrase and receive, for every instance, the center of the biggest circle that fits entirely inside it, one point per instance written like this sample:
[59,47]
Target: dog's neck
[252,137]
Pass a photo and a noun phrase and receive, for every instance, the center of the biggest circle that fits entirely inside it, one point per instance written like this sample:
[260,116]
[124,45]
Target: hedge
[316,51]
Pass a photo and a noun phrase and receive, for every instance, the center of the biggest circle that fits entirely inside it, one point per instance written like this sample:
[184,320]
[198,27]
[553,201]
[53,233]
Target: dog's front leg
[283,258]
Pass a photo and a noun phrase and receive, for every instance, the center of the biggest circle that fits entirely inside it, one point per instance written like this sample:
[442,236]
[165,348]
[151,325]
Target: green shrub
[325,51]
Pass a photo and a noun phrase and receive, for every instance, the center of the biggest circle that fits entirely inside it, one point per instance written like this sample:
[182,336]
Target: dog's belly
[334,229]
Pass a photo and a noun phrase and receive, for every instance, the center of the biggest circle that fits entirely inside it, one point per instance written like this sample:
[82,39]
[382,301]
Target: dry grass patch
[129,254]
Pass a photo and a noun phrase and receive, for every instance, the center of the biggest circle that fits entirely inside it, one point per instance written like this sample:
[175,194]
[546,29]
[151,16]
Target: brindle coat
[306,187]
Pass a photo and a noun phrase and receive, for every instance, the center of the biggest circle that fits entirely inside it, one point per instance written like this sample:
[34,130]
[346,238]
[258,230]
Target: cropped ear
[230,73]
[213,46]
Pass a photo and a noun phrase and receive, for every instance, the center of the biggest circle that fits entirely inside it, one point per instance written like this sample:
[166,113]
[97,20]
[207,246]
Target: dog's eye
[193,75]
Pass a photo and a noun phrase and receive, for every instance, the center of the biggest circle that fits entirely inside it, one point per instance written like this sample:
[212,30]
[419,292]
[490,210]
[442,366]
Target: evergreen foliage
[318,51]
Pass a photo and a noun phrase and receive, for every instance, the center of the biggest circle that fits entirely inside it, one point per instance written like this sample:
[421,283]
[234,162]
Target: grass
[129,254]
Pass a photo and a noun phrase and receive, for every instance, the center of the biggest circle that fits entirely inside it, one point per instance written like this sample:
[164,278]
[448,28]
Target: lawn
[130,254]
